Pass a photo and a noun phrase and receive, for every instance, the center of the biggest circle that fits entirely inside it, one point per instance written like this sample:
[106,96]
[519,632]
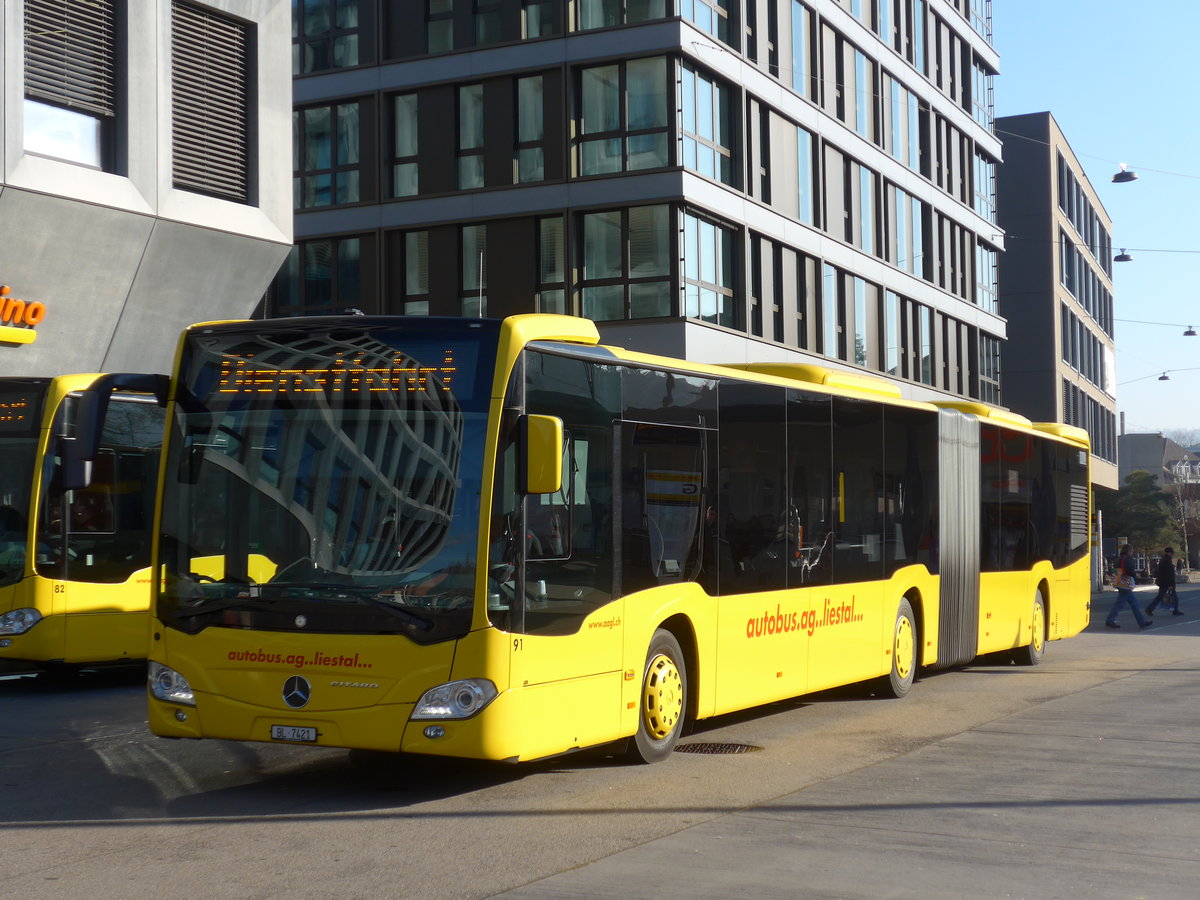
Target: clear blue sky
[1119,78]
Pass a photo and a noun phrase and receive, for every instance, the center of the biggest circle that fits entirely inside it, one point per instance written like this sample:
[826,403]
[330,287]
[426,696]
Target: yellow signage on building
[19,318]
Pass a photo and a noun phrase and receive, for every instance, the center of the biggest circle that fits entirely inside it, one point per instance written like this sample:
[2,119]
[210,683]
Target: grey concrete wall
[121,259]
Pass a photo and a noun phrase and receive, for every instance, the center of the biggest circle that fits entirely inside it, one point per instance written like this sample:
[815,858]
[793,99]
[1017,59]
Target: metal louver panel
[70,54]
[210,75]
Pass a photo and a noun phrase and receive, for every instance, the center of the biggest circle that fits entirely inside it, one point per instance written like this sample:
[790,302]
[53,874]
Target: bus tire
[1031,654]
[904,651]
[662,701]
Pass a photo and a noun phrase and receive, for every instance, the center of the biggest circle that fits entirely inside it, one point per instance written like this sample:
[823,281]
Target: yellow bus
[502,540]
[75,564]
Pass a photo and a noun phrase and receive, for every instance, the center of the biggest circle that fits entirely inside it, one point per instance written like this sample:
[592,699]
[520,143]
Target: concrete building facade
[141,188]
[723,180]
[1056,288]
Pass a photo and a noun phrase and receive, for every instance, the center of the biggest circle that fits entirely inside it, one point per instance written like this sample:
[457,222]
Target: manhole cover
[716,748]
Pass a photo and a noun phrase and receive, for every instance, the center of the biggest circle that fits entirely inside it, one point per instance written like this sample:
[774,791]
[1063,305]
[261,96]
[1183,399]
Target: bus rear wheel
[904,651]
[663,700]
[1032,653]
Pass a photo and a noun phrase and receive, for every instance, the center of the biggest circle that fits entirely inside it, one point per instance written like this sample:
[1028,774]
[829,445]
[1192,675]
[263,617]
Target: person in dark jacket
[1165,580]
[1127,572]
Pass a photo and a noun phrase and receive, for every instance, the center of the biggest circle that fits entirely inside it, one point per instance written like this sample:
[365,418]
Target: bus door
[559,605]
[97,539]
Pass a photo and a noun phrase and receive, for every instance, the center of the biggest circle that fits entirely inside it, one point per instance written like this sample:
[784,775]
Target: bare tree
[1184,437]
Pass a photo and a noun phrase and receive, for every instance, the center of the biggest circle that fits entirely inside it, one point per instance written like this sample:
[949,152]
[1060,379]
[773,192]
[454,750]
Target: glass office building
[725,180]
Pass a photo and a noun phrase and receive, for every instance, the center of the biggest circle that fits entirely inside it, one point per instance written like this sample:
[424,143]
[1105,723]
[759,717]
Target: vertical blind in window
[70,54]
[210,69]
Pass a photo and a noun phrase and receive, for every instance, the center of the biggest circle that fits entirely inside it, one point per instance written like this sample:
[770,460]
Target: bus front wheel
[904,651]
[1031,654]
[663,700]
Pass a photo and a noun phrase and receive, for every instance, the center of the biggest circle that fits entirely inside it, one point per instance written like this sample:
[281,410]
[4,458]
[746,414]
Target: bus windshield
[20,417]
[325,475]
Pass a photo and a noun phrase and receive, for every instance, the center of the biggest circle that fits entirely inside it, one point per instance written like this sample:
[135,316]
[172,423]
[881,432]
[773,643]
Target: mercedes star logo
[296,691]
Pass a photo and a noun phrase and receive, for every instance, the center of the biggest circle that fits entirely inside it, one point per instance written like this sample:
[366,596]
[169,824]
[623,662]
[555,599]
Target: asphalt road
[1080,776]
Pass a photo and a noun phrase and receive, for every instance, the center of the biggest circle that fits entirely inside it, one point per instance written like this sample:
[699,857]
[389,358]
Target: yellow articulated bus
[502,540]
[75,564]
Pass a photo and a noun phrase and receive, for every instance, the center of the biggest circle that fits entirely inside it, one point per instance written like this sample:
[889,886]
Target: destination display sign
[401,373]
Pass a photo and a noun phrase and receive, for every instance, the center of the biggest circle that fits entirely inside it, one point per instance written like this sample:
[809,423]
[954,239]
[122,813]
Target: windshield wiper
[204,609]
[413,619]
[336,587]
[273,593]
[360,592]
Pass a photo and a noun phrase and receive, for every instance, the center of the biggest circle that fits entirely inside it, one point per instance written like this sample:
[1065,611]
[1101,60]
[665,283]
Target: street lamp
[1124,176]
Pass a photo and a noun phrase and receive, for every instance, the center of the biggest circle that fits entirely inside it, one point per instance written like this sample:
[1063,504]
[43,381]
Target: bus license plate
[293,733]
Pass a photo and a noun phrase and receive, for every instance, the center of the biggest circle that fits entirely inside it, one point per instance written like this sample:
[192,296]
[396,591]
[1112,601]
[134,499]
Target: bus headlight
[456,700]
[19,621]
[169,686]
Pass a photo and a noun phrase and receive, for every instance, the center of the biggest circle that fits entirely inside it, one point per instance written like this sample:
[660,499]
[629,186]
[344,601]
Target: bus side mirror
[541,454]
[80,453]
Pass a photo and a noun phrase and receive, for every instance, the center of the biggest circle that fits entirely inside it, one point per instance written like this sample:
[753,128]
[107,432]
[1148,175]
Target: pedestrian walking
[1165,580]
[1124,581]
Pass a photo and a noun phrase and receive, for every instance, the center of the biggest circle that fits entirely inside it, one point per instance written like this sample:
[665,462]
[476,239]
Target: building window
[981,95]
[623,117]
[709,272]
[984,182]
[863,120]
[910,33]
[831,314]
[705,126]
[405,172]
[802,67]
[710,16]
[408,273]
[324,35]
[474,270]
[530,162]
[537,19]
[626,267]
[416,273]
[892,347]
[885,22]
[488,22]
[925,348]
[902,124]
[326,162]
[607,13]
[905,237]
[985,278]
[470,136]
[806,176]
[71,71]
[552,286]
[439,25]
[319,277]
[850,193]
[211,73]
[863,219]
[866,324]
[989,369]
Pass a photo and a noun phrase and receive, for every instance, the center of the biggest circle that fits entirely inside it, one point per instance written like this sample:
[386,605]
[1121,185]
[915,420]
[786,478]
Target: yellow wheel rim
[904,647]
[662,697]
[1039,627]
